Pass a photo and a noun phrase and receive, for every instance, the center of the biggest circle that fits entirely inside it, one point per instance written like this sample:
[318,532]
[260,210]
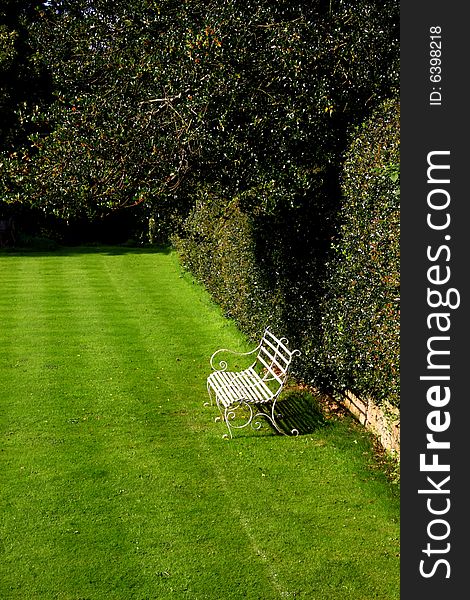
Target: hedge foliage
[343,314]
[361,309]
[219,248]
[23,83]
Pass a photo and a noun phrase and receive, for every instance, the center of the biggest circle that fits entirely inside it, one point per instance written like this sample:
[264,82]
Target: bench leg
[229,414]
[211,403]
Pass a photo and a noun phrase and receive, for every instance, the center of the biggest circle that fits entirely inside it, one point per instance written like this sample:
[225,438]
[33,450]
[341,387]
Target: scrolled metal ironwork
[223,364]
[244,410]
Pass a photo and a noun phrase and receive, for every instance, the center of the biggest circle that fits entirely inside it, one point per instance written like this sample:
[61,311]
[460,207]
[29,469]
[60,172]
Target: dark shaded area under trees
[261,138]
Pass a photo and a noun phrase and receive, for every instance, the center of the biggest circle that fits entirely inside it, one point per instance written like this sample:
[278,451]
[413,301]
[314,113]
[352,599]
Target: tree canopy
[150,97]
[24,83]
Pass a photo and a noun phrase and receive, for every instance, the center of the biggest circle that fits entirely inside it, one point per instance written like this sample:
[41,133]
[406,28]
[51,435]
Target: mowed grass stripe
[161,337]
[50,448]
[315,512]
[114,418]
[27,405]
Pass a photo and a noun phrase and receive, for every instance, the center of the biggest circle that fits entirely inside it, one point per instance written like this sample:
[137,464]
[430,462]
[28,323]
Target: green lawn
[115,481]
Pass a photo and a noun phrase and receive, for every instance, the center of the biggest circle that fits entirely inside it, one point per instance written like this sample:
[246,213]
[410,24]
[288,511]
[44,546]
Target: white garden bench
[241,393]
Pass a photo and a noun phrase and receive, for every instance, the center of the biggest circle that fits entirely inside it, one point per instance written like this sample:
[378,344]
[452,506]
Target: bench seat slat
[241,390]
[222,391]
[245,385]
[258,384]
[231,387]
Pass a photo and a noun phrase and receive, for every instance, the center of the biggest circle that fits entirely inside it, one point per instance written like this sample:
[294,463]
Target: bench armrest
[222,364]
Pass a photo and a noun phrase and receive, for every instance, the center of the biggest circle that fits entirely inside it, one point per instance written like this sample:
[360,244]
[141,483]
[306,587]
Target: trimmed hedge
[361,310]
[219,248]
[343,313]
[261,269]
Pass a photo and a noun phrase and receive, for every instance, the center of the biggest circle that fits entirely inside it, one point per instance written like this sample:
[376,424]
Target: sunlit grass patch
[115,480]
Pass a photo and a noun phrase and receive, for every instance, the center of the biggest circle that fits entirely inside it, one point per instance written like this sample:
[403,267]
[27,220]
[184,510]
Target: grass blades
[115,480]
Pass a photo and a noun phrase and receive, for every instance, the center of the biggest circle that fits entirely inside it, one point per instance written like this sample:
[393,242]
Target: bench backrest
[275,357]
